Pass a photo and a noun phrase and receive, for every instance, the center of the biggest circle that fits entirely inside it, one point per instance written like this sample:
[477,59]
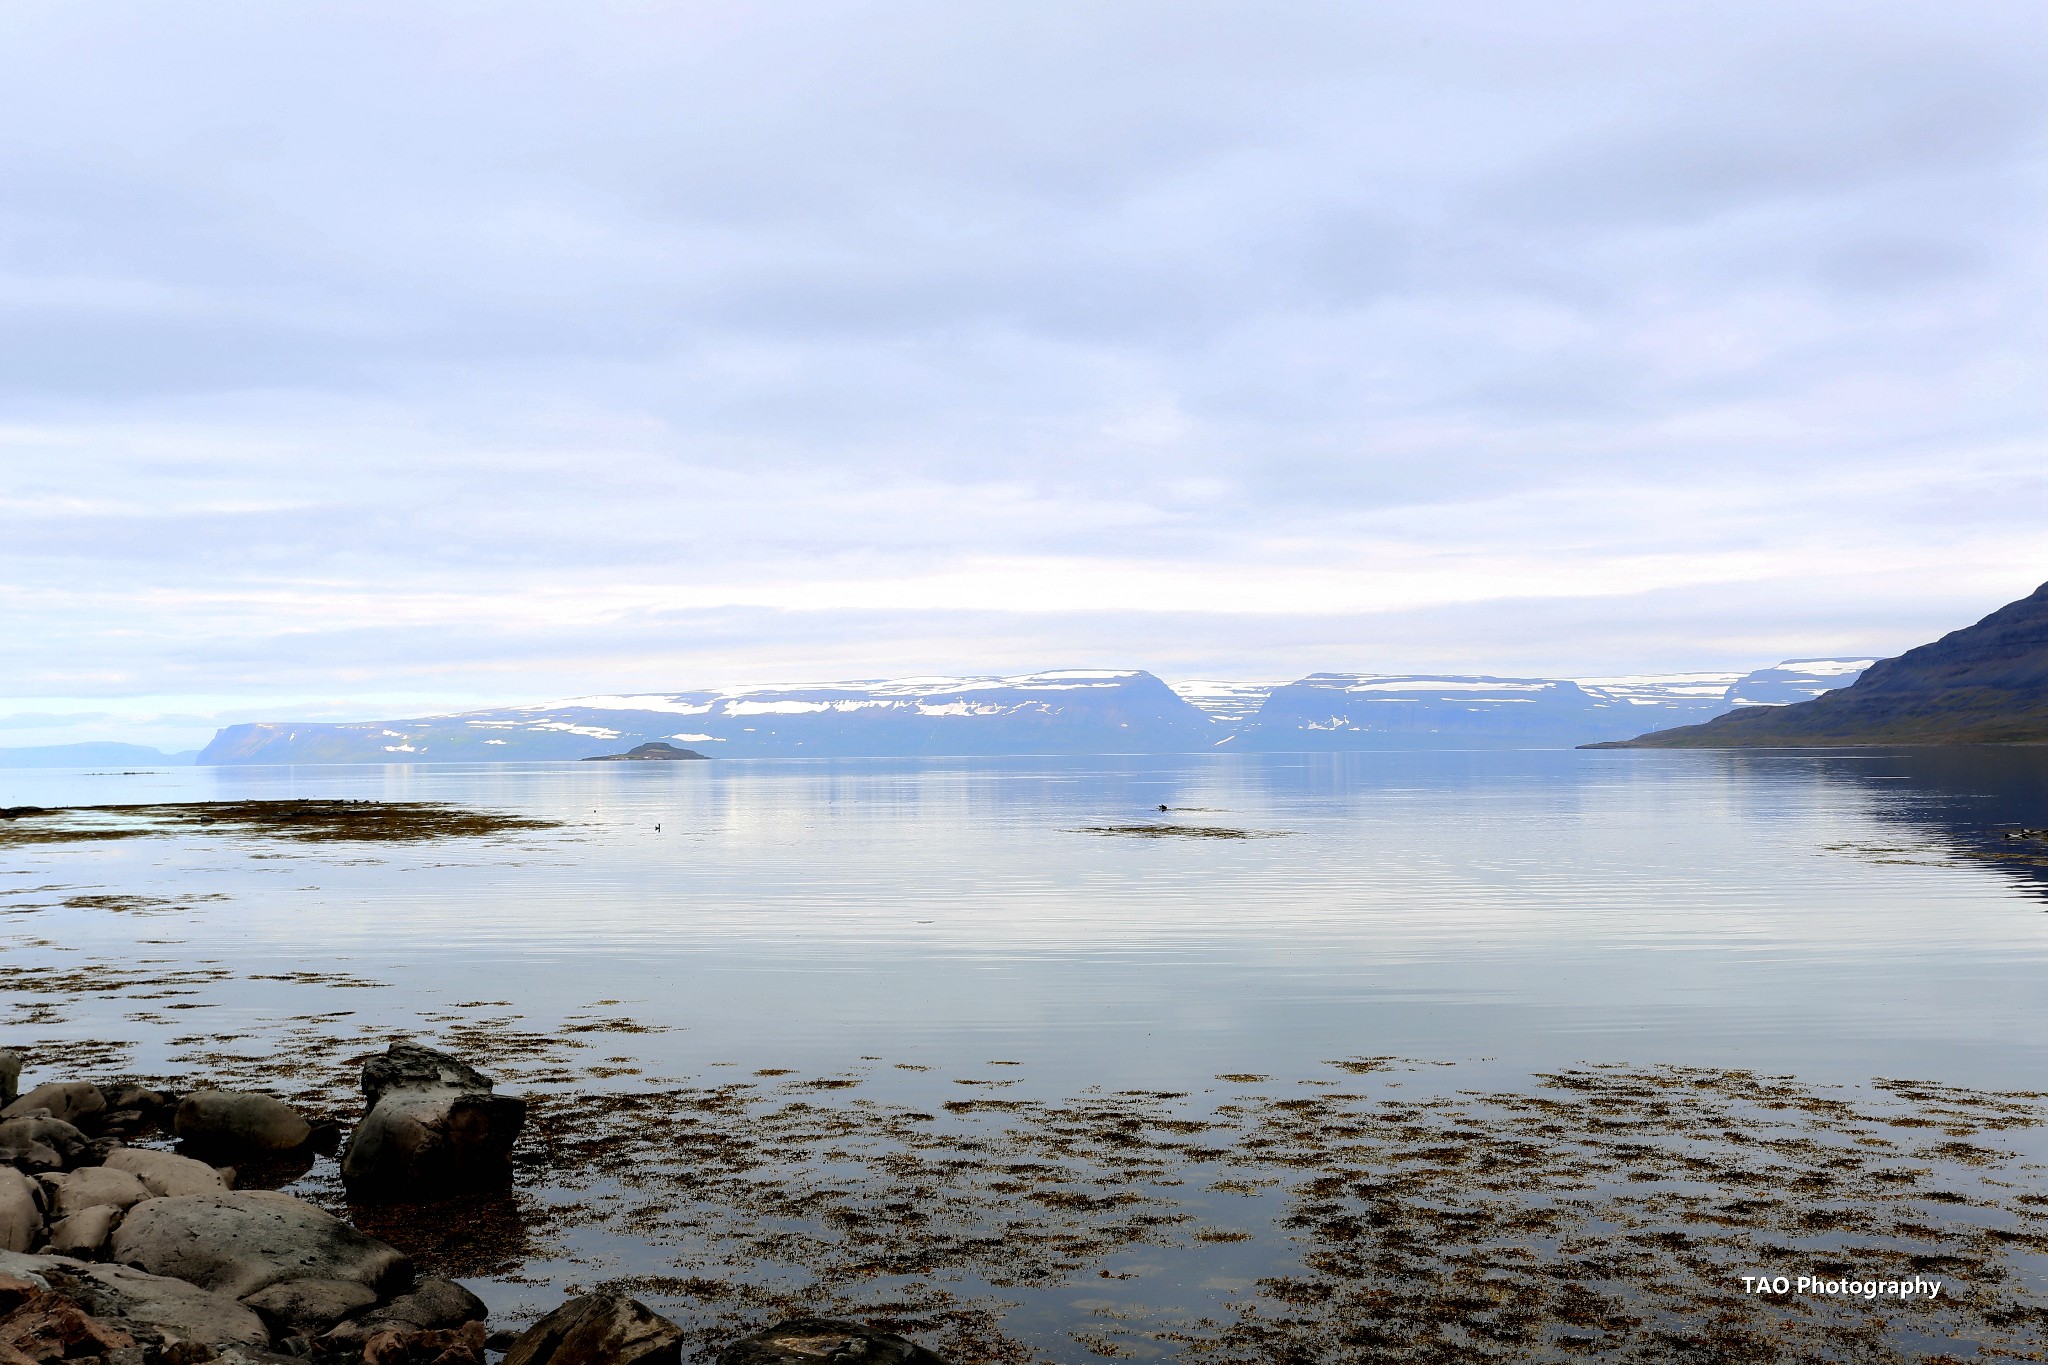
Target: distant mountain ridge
[1066,712]
[1983,684]
[1072,711]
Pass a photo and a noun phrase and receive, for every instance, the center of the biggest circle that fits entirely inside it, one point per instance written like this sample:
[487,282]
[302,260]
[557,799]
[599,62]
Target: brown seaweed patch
[1182,832]
[303,819]
[338,980]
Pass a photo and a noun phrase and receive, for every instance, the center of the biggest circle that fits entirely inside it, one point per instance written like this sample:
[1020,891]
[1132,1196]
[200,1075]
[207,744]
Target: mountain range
[1983,684]
[1068,712]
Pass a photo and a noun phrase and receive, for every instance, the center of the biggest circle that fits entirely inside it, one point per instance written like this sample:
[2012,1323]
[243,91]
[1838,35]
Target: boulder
[240,1121]
[21,1213]
[398,1346]
[90,1186]
[177,1310]
[250,1355]
[239,1241]
[411,1066]
[433,1305]
[128,1095]
[433,1127]
[811,1341]
[69,1101]
[42,1144]
[84,1233]
[123,1122]
[10,1075]
[131,1300]
[309,1307]
[166,1173]
[605,1328]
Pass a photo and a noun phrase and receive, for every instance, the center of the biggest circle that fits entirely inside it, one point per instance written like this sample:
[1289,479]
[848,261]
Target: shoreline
[1603,1206]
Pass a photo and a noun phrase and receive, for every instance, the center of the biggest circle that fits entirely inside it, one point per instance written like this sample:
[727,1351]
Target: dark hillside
[1984,684]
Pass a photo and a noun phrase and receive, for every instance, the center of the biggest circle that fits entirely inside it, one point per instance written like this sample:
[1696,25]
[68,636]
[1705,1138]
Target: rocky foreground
[136,1255]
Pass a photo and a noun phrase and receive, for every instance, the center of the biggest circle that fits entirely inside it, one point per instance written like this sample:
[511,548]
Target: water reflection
[1832,914]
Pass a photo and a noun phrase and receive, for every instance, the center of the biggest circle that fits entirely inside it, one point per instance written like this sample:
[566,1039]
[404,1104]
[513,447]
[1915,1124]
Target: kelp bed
[1373,1213]
[1149,831]
[305,820]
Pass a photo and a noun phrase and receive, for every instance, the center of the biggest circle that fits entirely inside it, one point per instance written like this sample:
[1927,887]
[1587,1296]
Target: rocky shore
[131,1254]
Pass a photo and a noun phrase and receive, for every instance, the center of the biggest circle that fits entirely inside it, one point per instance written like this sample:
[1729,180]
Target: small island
[655,751]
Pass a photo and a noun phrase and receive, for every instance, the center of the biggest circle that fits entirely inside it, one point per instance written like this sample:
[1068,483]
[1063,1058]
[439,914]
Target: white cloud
[367,352]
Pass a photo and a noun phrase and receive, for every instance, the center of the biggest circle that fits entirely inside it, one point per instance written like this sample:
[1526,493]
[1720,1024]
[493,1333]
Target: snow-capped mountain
[1420,711]
[1795,680]
[1076,711]
[1069,712]
[1432,711]
[1231,703]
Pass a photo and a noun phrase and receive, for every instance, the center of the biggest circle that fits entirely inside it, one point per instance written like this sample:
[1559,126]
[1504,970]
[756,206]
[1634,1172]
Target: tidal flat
[1229,1100]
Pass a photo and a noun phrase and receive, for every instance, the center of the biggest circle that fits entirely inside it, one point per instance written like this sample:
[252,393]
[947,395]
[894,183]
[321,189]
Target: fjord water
[1834,915]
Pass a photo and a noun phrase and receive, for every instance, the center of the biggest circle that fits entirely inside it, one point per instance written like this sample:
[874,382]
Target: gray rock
[21,1214]
[68,1101]
[90,1186]
[429,1144]
[10,1075]
[812,1341]
[445,1346]
[433,1305]
[131,1298]
[250,1355]
[84,1232]
[240,1121]
[36,1268]
[605,1328]
[180,1311]
[309,1307]
[410,1066]
[42,1144]
[240,1241]
[128,1095]
[433,1128]
[166,1173]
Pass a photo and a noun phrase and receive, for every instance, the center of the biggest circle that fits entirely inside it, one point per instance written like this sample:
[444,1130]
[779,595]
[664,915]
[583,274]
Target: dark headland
[653,752]
[1984,684]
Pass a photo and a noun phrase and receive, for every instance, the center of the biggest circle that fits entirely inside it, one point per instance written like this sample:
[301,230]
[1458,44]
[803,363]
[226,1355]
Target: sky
[364,360]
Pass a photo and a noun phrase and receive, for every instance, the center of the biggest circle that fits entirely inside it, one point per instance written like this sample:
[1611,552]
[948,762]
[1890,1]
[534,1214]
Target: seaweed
[1182,832]
[306,820]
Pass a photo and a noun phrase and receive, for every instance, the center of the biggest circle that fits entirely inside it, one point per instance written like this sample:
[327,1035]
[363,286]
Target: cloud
[375,350]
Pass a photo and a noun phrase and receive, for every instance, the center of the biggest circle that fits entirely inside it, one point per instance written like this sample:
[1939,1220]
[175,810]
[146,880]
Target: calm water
[902,926]
[1827,915]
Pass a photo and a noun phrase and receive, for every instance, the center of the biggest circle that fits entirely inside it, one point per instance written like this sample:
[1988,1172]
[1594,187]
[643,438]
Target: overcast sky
[363,359]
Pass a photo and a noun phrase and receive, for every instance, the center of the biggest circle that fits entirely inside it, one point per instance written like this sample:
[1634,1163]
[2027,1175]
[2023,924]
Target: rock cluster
[132,1255]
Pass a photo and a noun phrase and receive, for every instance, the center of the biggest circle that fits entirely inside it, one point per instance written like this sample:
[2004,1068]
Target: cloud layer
[367,354]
